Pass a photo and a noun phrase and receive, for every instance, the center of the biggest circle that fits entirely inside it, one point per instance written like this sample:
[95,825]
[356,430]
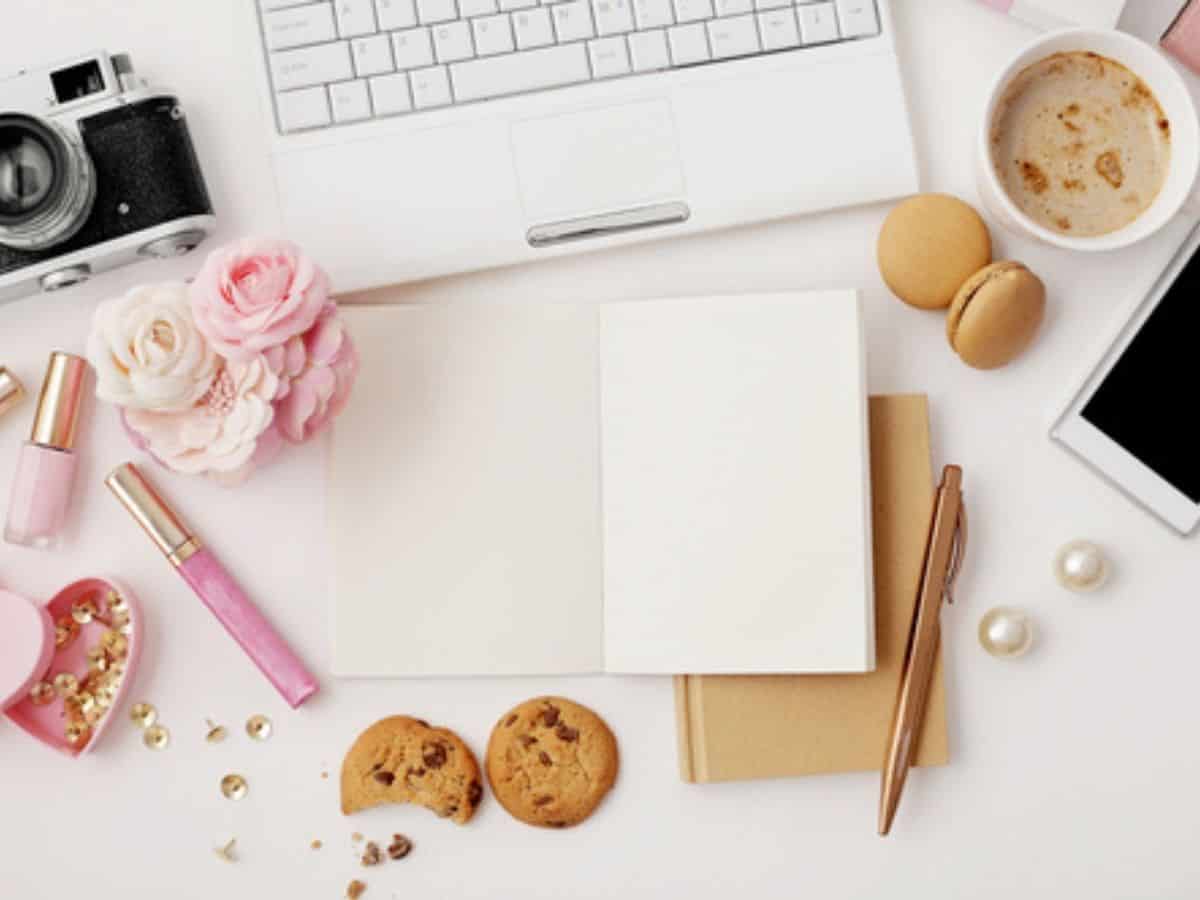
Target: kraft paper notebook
[643,487]
[733,728]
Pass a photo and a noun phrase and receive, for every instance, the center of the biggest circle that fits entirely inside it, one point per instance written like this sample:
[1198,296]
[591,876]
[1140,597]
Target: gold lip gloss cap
[11,390]
[60,401]
[151,512]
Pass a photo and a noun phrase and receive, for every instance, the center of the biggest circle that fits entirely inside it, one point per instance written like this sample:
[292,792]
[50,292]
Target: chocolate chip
[545,758]
[355,889]
[542,800]
[550,716]
[557,823]
[385,778]
[527,740]
[400,847]
[372,855]
[474,793]
[508,723]
[434,755]
[376,767]
[566,733]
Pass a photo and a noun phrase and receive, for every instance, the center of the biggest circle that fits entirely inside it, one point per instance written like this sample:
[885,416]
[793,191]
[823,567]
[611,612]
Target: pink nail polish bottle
[41,487]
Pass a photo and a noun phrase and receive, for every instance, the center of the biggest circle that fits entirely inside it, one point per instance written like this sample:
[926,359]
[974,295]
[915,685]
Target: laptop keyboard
[344,61]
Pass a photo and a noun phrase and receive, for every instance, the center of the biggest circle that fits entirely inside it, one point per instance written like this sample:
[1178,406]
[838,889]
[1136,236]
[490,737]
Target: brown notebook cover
[735,727]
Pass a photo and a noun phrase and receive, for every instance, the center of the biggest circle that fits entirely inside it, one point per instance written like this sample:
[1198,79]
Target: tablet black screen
[1147,402]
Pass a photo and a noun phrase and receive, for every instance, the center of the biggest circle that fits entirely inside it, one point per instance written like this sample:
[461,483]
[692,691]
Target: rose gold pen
[943,555]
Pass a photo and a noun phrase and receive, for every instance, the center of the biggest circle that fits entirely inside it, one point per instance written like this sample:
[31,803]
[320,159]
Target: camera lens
[47,183]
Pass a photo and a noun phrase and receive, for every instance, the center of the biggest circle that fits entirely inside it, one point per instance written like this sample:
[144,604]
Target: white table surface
[1074,770]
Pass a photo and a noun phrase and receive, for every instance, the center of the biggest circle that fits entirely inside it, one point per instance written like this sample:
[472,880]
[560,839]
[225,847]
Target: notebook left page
[463,493]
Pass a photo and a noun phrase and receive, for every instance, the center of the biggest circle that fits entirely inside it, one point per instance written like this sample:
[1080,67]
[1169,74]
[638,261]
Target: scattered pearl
[1006,632]
[1081,566]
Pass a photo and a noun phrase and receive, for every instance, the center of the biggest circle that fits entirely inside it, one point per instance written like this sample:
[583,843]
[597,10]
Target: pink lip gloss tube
[41,487]
[213,585]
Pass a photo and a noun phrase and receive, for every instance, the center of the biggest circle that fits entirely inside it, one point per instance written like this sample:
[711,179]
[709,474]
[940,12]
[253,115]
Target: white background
[1074,770]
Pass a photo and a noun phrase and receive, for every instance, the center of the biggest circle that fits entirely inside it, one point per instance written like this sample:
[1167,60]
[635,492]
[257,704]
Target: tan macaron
[996,314]
[928,246]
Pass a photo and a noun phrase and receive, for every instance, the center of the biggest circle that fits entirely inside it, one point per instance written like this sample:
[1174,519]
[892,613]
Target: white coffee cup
[1160,76]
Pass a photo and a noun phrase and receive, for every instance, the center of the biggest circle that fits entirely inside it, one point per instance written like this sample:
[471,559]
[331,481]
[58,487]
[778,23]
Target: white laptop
[414,138]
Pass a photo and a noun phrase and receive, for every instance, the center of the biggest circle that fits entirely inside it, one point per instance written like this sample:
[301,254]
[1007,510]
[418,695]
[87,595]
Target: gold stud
[65,630]
[143,715]
[115,644]
[42,693]
[216,733]
[234,787]
[226,850]
[83,612]
[65,684]
[76,732]
[258,727]
[86,701]
[156,737]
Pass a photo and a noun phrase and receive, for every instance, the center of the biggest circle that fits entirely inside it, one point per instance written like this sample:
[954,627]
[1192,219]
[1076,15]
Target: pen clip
[957,550]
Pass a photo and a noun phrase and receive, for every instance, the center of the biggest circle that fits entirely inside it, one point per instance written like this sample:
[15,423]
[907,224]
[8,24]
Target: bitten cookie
[550,762]
[406,760]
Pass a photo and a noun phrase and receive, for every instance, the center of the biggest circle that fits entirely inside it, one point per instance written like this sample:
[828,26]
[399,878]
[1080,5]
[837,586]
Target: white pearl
[1006,632]
[1081,566]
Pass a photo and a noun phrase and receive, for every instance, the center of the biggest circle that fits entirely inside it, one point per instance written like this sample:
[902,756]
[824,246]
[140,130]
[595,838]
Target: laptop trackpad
[599,161]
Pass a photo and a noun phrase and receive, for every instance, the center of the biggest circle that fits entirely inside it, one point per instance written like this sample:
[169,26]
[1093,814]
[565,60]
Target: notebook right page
[735,495]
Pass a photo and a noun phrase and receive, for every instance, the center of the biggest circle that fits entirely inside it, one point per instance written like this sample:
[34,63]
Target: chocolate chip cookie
[551,761]
[406,760]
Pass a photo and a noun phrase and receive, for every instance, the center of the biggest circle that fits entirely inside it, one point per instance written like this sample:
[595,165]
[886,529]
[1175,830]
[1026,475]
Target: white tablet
[1135,418]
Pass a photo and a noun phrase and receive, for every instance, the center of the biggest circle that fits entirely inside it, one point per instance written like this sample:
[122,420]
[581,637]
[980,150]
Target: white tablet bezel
[1102,453]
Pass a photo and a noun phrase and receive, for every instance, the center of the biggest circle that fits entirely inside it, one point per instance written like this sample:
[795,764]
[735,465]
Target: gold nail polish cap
[158,520]
[59,404]
[11,390]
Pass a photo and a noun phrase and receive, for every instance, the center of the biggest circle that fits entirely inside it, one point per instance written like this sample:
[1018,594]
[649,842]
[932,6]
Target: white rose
[147,352]
[224,435]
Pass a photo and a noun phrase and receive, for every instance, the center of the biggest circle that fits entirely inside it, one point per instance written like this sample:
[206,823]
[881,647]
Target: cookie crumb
[355,889]
[372,856]
[324,775]
[316,844]
[400,847]
[356,837]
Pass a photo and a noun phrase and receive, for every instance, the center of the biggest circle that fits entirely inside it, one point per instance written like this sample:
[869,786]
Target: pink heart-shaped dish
[65,667]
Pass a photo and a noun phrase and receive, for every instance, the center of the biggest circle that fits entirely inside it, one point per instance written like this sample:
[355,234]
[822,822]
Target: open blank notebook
[642,487]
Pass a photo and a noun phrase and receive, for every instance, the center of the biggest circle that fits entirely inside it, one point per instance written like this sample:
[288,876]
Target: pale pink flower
[255,294]
[316,373]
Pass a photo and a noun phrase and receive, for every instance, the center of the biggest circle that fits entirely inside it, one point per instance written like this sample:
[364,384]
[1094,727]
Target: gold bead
[234,787]
[83,612]
[226,850]
[216,733]
[156,737]
[42,693]
[115,644]
[258,727]
[143,715]
[76,732]
[65,630]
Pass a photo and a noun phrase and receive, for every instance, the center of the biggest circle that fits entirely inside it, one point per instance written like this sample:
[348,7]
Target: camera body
[96,171]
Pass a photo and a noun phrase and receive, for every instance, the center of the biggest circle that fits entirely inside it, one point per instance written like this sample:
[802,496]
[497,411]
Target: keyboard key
[412,48]
[689,44]
[452,42]
[354,19]
[817,23]
[733,7]
[311,65]
[396,14]
[517,73]
[308,108]
[268,5]
[737,36]
[572,21]
[389,94]
[532,28]
[653,13]
[298,26]
[649,50]
[510,5]
[692,10]
[349,101]
[430,12]
[612,16]
[609,57]
[778,29]
[858,18]
[430,87]
[493,35]
[372,55]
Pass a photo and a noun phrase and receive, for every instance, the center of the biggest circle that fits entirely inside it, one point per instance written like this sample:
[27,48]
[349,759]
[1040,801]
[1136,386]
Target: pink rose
[255,294]
[316,372]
